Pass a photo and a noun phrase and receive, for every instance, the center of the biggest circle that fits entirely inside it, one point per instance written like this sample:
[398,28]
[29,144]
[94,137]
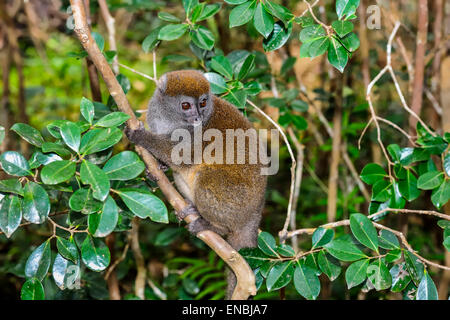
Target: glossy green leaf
[83,201]
[58,171]
[144,204]
[87,109]
[415,267]
[14,163]
[172,31]
[223,66]
[113,119]
[236,97]
[306,282]
[364,231]
[267,243]
[209,10]
[380,191]
[356,273]
[99,139]
[2,134]
[379,275]
[68,249]
[285,250]
[318,47]
[168,17]
[99,40]
[103,223]
[329,265]
[351,42]
[430,180]
[280,275]
[36,203]
[95,254]
[337,55]
[344,250]
[11,185]
[28,133]
[278,37]
[10,214]
[56,148]
[372,173]
[408,187]
[247,66]
[217,82]
[279,11]
[427,289]
[254,256]
[446,164]
[65,272]
[441,195]
[346,7]
[342,28]
[38,262]
[262,20]
[71,135]
[96,178]
[388,240]
[400,277]
[202,38]
[321,237]
[124,166]
[32,289]
[167,236]
[242,13]
[151,41]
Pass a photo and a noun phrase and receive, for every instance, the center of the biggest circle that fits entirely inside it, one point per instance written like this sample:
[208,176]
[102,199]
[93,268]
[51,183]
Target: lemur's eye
[203,103]
[186,105]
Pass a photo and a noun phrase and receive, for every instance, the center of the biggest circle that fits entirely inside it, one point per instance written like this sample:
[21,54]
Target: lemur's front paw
[134,134]
[189,209]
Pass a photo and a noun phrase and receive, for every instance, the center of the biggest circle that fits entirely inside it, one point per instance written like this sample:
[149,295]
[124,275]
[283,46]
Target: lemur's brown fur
[228,197]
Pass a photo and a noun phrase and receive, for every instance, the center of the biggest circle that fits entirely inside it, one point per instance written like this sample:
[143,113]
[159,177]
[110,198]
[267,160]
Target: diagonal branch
[245,278]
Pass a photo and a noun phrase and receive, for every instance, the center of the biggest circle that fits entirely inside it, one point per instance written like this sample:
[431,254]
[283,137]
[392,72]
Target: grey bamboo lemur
[228,197]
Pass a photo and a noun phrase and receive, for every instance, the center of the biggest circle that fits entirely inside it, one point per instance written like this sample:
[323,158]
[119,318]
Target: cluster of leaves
[339,40]
[414,169]
[75,173]
[377,261]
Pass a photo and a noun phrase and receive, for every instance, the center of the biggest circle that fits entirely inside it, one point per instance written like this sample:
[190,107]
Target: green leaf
[441,195]
[285,250]
[408,187]
[28,133]
[2,134]
[346,7]
[342,28]
[312,32]
[209,11]
[372,173]
[306,282]
[168,17]
[242,14]
[247,66]
[430,180]
[83,201]
[254,256]
[400,277]
[172,31]
[99,139]
[278,37]
[202,38]
[351,42]
[217,82]
[344,250]
[444,224]
[388,240]
[151,41]
[87,109]
[96,178]
[67,249]
[267,243]
[124,166]
[236,97]
[288,64]
[415,267]
[379,275]
[58,171]
[337,55]
[32,289]
[95,254]
[321,237]
[11,185]
[280,275]
[329,265]
[99,40]
[14,163]
[144,204]
[364,231]
[279,11]
[356,273]
[71,135]
[380,191]
[447,164]
[262,20]
[113,119]
[235,2]
[318,47]
[223,66]
[65,272]
[56,148]
[38,262]
[36,203]
[167,236]
[103,223]
[426,289]
[10,214]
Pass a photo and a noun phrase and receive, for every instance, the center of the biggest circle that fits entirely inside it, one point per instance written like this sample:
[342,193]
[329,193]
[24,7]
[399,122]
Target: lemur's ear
[162,83]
